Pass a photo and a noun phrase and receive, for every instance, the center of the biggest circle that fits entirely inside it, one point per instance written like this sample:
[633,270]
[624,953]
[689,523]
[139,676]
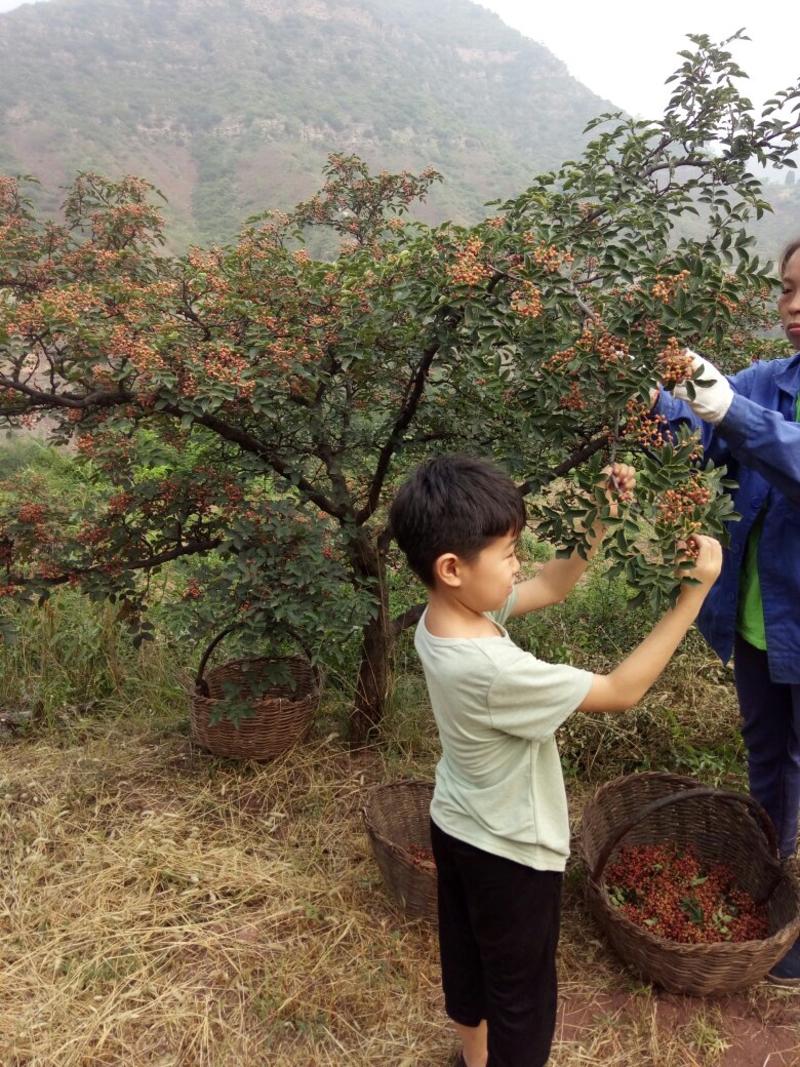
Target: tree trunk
[374,673]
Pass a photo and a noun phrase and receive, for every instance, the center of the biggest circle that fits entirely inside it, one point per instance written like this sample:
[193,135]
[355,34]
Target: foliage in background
[230,107]
[260,405]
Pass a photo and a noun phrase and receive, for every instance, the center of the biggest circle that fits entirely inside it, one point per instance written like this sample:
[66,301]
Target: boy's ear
[447,570]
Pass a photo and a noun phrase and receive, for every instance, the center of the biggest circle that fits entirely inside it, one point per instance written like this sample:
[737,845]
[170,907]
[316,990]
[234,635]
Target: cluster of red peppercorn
[573,399]
[468,267]
[676,504]
[594,342]
[527,301]
[643,426]
[669,892]
[547,256]
[608,349]
[674,364]
[420,857]
[678,510]
[30,514]
[666,284]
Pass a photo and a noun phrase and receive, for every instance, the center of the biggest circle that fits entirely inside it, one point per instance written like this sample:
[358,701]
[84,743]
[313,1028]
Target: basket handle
[202,685]
[676,798]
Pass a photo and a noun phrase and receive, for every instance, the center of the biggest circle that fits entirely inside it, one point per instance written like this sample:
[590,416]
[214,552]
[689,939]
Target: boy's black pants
[498,932]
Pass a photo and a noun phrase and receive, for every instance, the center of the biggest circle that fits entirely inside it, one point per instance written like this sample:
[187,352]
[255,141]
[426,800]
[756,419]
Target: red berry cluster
[467,269]
[608,349]
[665,285]
[651,331]
[668,891]
[643,426]
[573,400]
[120,503]
[558,360]
[677,505]
[527,301]
[547,256]
[593,343]
[673,364]
[420,857]
[31,513]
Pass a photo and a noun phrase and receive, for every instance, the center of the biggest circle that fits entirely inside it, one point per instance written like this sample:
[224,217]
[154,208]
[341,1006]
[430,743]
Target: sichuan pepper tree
[294,393]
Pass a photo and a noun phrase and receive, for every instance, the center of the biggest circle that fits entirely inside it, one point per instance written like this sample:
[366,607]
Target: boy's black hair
[454,504]
[787,254]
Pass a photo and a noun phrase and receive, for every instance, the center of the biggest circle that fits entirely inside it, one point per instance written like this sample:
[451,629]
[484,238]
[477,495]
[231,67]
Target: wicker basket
[281,716]
[398,815]
[722,827]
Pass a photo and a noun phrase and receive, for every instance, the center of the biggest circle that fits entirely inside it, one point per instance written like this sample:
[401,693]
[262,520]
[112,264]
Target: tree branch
[408,618]
[580,455]
[190,548]
[414,391]
[246,441]
[100,398]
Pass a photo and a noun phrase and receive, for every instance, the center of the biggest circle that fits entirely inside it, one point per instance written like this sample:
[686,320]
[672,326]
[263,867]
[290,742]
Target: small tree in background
[256,407]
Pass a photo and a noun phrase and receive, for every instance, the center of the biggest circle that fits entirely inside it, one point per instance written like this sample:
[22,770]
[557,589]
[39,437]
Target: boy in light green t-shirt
[499,825]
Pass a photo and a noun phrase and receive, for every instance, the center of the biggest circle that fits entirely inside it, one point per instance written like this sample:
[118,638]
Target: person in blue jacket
[750,422]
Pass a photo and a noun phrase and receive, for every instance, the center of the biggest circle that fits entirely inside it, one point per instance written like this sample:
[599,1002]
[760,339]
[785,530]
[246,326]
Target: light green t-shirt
[750,622]
[499,784]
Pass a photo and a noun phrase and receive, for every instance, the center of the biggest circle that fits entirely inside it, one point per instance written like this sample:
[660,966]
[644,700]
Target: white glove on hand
[710,402]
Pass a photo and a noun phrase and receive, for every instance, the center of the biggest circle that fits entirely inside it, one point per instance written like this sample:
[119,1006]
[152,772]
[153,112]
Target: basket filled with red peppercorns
[686,883]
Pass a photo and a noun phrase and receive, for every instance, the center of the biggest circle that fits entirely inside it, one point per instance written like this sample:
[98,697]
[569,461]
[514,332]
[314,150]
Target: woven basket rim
[247,661]
[315,678]
[683,781]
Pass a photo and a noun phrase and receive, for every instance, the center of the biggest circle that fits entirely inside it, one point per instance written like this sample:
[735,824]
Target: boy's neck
[446,616]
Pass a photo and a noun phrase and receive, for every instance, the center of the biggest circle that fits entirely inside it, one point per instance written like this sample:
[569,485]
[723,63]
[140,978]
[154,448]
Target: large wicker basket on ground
[722,827]
[397,820]
[281,714]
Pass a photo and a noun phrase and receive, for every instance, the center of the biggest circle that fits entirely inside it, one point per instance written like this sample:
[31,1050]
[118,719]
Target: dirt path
[756,1029]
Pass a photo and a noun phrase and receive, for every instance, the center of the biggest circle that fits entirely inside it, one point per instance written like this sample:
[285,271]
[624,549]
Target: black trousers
[498,933]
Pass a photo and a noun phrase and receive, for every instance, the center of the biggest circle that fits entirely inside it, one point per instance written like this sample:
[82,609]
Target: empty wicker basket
[397,820]
[721,827]
[281,714]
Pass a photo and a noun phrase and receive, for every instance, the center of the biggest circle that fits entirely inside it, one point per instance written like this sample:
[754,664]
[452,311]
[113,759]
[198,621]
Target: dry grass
[159,907]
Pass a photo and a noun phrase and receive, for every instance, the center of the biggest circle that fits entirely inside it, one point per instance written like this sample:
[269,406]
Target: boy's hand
[621,483]
[707,555]
[711,401]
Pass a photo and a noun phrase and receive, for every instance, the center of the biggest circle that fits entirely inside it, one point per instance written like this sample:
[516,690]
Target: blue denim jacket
[759,442]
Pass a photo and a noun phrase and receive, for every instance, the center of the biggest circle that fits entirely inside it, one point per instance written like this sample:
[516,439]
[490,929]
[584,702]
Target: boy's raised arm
[557,578]
[627,683]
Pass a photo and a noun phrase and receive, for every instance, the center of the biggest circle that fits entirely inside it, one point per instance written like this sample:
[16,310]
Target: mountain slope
[231,106]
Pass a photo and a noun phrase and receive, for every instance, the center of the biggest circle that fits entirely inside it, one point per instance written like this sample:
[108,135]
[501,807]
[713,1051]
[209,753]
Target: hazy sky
[624,49]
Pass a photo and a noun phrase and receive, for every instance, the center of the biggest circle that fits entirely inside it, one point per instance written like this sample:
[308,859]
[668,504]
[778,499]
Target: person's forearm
[561,575]
[634,676]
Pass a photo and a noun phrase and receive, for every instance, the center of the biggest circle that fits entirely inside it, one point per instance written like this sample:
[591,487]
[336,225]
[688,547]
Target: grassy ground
[161,907]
